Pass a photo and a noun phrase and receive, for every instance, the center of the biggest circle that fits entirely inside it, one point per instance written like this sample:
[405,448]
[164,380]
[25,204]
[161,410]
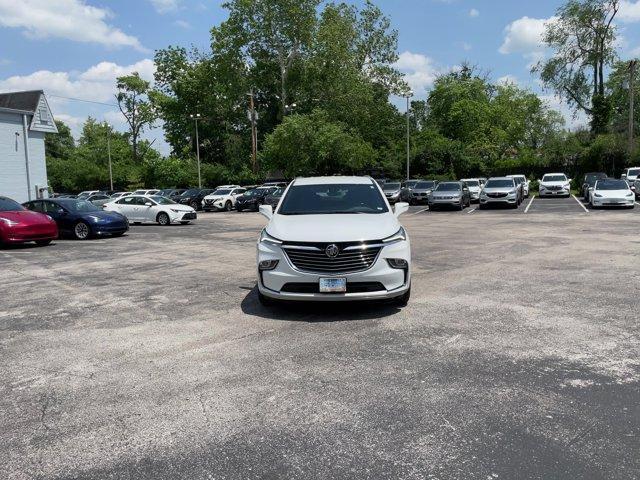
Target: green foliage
[60,145]
[313,144]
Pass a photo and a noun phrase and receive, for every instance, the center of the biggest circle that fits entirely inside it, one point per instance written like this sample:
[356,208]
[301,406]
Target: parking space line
[533,197]
[637,203]
[421,211]
[471,211]
[580,203]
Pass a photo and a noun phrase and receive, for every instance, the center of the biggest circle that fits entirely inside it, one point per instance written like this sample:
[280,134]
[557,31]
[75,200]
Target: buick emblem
[332,251]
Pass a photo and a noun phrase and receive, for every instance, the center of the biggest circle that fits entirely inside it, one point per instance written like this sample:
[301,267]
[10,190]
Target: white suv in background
[631,175]
[334,239]
[522,179]
[474,188]
[224,198]
[555,185]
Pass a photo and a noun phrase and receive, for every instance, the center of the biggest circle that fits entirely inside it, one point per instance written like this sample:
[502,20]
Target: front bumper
[444,201]
[110,229]
[182,216]
[509,199]
[563,192]
[613,202]
[394,282]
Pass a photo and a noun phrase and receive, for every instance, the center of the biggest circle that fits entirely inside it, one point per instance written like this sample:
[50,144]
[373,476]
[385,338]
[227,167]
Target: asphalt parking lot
[149,357]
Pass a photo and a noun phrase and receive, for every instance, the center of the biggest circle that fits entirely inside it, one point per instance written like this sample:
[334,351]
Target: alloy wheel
[81,231]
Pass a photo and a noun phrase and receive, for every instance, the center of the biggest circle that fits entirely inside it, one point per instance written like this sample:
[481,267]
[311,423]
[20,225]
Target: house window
[43,113]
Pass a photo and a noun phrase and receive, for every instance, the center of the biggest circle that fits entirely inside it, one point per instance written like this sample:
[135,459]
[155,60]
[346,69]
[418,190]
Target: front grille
[312,258]
[554,188]
[189,216]
[353,287]
[496,195]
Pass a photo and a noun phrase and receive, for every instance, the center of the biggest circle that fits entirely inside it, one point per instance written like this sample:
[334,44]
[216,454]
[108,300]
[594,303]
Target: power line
[85,101]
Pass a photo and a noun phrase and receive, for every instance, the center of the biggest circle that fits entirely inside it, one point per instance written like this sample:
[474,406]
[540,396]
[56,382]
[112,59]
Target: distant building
[25,118]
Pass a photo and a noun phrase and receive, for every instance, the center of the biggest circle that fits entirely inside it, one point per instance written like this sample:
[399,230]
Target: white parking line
[421,211]
[580,203]
[471,211]
[529,204]
[637,203]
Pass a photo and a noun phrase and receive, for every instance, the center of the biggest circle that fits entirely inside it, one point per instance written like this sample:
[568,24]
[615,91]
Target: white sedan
[610,192]
[144,209]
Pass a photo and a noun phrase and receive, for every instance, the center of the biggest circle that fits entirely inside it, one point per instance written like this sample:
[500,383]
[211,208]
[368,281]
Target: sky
[75,49]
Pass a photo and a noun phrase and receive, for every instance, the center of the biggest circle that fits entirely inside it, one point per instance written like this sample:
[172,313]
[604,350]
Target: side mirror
[266,211]
[60,211]
[623,176]
[401,207]
[148,204]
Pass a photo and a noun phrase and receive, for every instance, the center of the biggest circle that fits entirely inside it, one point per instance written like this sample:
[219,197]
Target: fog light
[399,263]
[267,265]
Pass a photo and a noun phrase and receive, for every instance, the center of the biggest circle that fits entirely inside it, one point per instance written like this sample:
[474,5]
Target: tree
[583,38]
[59,145]
[136,108]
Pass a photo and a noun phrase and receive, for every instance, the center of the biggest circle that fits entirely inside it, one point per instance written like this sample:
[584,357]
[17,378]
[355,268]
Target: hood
[474,188]
[215,197]
[180,208]
[105,215]
[451,193]
[613,193]
[555,184]
[499,189]
[333,228]
[26,217]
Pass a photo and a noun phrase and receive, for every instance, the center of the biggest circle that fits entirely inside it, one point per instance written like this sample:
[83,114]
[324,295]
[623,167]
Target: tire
[194,205]
[228,206]
[403,300]
[515,205]
[265,301]
[461,206]
[163,219]
[81,231]
[43,243]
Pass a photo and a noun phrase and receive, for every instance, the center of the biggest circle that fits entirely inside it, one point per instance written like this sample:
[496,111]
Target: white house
[25,118]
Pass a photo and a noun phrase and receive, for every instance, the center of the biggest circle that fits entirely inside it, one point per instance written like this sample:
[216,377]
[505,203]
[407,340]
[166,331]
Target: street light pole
[632,75]
[109,154]
[195,118]
[408,96]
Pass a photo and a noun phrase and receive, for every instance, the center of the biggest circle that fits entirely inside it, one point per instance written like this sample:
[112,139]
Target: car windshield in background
[391,187]
[222,192]
[79,206]
[472,183]
[424,185]
[612,185]
[554,178]
[635,172]
[326,199]
[162,200]
[252,193]
[278,193]
[499,184]
[411,183]
[448,187]
[8,205]
[191,193]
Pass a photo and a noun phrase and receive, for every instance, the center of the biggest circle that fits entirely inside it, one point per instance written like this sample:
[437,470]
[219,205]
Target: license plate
[333,285]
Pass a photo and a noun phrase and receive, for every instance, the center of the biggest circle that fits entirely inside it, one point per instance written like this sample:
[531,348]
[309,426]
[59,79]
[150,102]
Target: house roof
[23,101]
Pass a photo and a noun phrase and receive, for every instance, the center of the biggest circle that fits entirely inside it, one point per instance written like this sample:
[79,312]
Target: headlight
[630,194]
[598,195]
[94,218]
[8,222]
[567,185]
[176,211]
[268,239]
[399,236]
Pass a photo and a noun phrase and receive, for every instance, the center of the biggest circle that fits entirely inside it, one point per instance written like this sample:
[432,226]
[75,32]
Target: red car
[19,225]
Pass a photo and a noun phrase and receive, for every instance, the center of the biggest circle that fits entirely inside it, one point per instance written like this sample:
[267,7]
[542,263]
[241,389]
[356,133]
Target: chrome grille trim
[352,259]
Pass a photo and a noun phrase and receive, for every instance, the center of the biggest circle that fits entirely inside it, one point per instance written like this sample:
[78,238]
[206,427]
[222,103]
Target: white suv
[522,179]
[224,198]
[555,185]
[334,239]
[631,175]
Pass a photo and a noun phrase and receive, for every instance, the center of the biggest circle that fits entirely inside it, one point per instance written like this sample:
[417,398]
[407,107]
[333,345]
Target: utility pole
[254,132]
[195,118]
[632,78]
[109,154]
[408,95]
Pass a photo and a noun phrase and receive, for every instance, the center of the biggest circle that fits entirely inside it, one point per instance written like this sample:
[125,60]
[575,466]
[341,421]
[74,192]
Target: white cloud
[97,84]
[524,36]
[465,46]
[474,13]
[69,19]
[182,24]
[420,71]
[629,11]
[573,119]
[507,80]
[165,6]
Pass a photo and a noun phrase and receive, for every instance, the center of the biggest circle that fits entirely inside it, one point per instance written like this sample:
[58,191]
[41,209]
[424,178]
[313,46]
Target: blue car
[80,218]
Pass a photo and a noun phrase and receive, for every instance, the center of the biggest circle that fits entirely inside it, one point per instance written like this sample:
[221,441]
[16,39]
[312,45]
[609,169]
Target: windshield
[333,199]
[634,172]
[162,200]
[8,205]
[391,187]
[190,193]
[411,183]
[472,183]
[554,178]
[222,192]
[499,184]
[252,193]
[448,187]
[278,193]
[79,206]
[612,185]
[425,185]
